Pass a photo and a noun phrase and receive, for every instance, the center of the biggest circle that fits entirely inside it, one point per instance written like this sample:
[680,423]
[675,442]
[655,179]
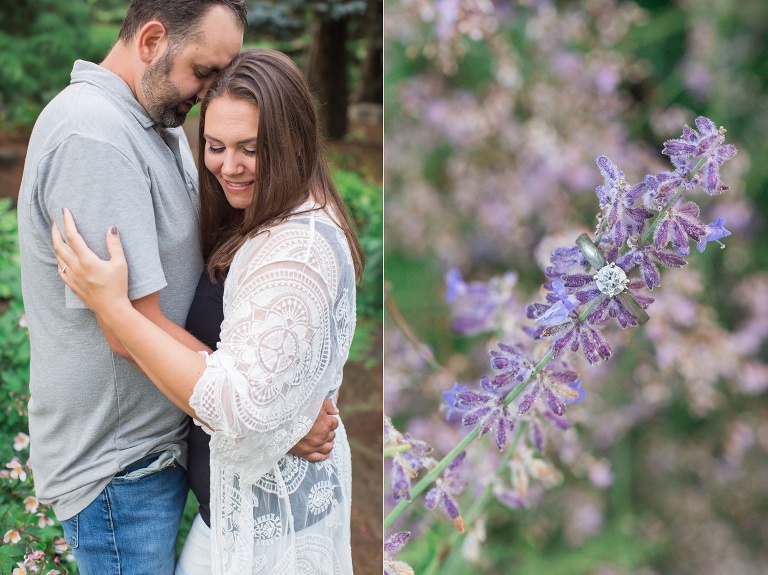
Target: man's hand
[318,443]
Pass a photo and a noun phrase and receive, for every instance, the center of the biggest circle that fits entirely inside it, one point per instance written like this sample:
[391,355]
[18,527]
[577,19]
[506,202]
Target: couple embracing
[184,329]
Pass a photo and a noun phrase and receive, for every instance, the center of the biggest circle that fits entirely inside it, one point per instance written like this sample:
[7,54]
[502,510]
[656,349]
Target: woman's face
[231,127]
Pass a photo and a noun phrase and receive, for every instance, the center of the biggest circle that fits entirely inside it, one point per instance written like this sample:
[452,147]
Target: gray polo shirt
[95,151]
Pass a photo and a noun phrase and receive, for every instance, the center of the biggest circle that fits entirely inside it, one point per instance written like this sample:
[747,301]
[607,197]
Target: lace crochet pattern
[289,317]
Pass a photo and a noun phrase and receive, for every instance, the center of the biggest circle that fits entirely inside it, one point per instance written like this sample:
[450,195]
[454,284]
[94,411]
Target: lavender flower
[513,363]
[642,228]
[715,232]
[561,309]
[679,225]
[486,408]
[392,546]
[577,335]
[558,385]
[477,306]
[409,456]
[617,198]
[448,485]
[707,145]
[450,400]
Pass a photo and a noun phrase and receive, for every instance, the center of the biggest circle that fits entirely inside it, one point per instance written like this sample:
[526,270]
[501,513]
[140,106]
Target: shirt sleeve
[102,187]
[264,385]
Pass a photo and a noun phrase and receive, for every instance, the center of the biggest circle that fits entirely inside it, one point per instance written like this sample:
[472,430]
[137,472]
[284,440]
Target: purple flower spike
[405,464]
[529,399]
[392,546]
[448,486]
[680,225]
[513,363]
[716,231]
[453,284]
[476,306]
[707,144]
[450,399]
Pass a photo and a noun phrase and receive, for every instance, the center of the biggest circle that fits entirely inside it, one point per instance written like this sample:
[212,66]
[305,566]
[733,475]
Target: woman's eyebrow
[246,141]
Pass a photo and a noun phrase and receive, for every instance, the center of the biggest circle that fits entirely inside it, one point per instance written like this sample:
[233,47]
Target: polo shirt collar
[114,88]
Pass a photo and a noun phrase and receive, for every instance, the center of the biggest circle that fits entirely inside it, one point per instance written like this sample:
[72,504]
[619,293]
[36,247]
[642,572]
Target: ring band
[64,269]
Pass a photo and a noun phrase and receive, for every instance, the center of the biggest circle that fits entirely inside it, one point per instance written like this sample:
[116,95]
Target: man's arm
[315,446]
[149,307]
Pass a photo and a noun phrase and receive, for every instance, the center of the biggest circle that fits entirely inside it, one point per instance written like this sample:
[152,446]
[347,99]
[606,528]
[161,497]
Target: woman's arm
[172,366]
[103,287]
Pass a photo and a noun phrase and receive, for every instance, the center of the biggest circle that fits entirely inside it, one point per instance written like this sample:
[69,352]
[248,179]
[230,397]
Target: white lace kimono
[289,317]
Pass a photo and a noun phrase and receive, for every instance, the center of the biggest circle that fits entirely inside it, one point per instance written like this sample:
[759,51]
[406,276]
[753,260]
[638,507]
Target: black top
[204,322]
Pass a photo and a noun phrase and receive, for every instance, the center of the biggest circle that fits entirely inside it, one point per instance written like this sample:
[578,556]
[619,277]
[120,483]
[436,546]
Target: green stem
[585,314]
[394,449]
[430,477]
[471,516]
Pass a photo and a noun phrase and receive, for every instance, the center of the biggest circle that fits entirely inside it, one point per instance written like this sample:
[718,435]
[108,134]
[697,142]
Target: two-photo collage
[402,287]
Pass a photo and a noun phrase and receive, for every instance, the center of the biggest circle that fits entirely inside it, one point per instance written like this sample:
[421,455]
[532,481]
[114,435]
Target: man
[107,447]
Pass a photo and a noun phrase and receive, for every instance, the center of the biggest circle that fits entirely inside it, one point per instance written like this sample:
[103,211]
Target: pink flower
[60,545]
[12,536]
[17,471]
[31,504]
[44,520]
[21,441]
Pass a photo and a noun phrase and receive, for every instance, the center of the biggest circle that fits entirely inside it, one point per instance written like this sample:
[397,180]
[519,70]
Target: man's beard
[162,97]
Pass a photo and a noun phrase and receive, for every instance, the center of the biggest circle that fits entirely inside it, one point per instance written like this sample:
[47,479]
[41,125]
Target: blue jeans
[131,527]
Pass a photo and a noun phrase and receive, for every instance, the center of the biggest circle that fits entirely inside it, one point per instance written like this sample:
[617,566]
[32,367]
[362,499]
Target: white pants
[196,554]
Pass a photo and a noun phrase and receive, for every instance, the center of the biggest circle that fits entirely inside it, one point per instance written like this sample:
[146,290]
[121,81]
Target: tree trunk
[327,74]
[371,86]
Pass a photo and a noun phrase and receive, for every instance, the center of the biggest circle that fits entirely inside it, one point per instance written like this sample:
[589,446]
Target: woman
[275,227]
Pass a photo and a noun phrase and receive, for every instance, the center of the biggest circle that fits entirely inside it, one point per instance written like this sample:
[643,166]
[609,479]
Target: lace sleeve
[265,384]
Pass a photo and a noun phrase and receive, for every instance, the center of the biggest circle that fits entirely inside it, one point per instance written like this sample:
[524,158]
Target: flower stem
[433,474]
[406,330]
[471,516]
[393,449]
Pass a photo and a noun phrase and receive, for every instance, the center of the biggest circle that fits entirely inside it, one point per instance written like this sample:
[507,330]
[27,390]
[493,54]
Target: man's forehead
[218,40]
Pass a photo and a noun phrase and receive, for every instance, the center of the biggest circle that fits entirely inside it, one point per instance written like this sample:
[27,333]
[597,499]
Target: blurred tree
[370,87]
[332,25]
[39,40]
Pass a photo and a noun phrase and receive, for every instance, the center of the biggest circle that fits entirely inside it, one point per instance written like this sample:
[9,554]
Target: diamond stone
[611,280]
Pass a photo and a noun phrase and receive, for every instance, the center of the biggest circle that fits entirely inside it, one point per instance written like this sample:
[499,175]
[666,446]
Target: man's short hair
[181,18]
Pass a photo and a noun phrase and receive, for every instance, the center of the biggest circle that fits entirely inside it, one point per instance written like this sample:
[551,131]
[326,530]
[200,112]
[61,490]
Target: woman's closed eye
[218,150]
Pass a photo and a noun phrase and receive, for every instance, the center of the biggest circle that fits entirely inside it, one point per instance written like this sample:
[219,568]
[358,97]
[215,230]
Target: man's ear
[151,41]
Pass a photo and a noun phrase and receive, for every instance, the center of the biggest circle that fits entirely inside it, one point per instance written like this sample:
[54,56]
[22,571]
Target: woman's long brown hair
[289,156]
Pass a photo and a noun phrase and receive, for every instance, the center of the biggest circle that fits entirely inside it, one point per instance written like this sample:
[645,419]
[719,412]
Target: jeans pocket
[70,532]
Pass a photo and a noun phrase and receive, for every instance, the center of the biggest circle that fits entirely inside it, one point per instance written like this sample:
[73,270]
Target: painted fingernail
[113,230]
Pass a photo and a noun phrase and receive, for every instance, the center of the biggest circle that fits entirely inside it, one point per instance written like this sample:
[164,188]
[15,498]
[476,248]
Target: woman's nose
[231,165]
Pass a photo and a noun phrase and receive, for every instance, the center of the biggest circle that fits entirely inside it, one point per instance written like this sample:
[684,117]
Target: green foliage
[14,341]
[19,509]
[39,41]
[365,203]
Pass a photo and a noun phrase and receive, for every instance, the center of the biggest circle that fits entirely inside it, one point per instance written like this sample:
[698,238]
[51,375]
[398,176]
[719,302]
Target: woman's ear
[151,41]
